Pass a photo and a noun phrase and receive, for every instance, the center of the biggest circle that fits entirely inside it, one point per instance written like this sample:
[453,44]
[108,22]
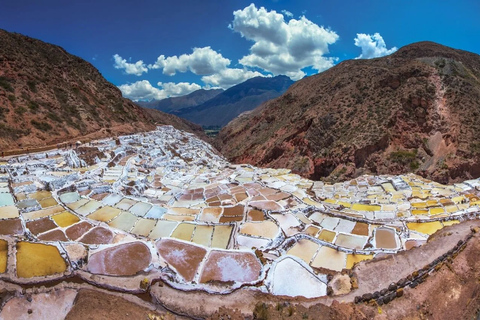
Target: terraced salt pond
[196,221]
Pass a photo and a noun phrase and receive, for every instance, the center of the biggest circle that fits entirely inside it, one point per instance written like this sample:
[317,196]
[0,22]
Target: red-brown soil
[417,110]
[50,97]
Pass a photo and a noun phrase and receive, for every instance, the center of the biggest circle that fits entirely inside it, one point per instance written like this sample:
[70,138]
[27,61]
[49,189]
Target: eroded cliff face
[49,96]
[414,111]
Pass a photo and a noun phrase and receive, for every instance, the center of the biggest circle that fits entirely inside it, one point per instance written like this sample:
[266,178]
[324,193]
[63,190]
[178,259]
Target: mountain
[245,96]
[48,96]
[417,110]
[177,103]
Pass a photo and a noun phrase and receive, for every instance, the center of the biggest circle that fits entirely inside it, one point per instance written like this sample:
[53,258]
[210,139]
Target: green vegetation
[11,132]
[33,106]
[42,126]
[20,110]
[54,117]
[211,131]
[260,312]
[404,157]
[5,84]
[32,85]
[12,98]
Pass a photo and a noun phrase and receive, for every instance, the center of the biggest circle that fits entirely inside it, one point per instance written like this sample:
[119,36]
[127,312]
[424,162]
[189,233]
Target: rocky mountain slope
[177,103]
[417,110]
[48,96]
[245,96]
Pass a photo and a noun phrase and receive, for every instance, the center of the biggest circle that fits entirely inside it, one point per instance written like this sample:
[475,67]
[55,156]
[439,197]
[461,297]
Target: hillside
[245,96]
[177,103]
[48,96]
[417,110]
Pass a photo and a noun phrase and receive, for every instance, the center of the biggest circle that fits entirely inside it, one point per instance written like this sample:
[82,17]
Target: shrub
[42,126]
[5,84]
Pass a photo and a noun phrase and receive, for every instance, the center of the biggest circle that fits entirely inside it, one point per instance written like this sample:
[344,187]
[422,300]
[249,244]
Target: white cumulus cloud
[229,77]
[143,90]
[137,68]
[202,61]
[178,89]
[282,47]
[373,46]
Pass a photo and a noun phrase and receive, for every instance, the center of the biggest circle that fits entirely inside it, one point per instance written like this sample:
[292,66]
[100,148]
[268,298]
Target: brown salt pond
[266,205]
[385,238]
[11,226]
[185,258]
[360,229]
[37,260]
[413,243]
[54,235]
[98,235]
[225,266]
[77,230]
[125,259]
[40,225]
[255,215]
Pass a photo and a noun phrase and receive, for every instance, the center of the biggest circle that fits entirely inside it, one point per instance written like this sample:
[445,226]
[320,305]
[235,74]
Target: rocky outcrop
[417,110]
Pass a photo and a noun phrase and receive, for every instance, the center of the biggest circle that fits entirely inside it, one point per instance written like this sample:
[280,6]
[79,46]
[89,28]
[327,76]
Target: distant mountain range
[175,104]
[223,106]
[417,110]
[48,96]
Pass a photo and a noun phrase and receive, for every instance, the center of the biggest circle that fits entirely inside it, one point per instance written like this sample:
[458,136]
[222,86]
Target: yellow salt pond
[3,255]
[143,227]
[48,202]
[437,210]
[221,236]
[327,235]
[352,259]
[125,221]
[65,219]
[184,231]
[203,235]
[105,214]
[425,227]
[162,229]
[450,223]
[38,260]
[365,207]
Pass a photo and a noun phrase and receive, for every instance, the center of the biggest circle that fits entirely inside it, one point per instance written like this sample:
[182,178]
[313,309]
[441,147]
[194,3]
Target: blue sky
[155,49]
